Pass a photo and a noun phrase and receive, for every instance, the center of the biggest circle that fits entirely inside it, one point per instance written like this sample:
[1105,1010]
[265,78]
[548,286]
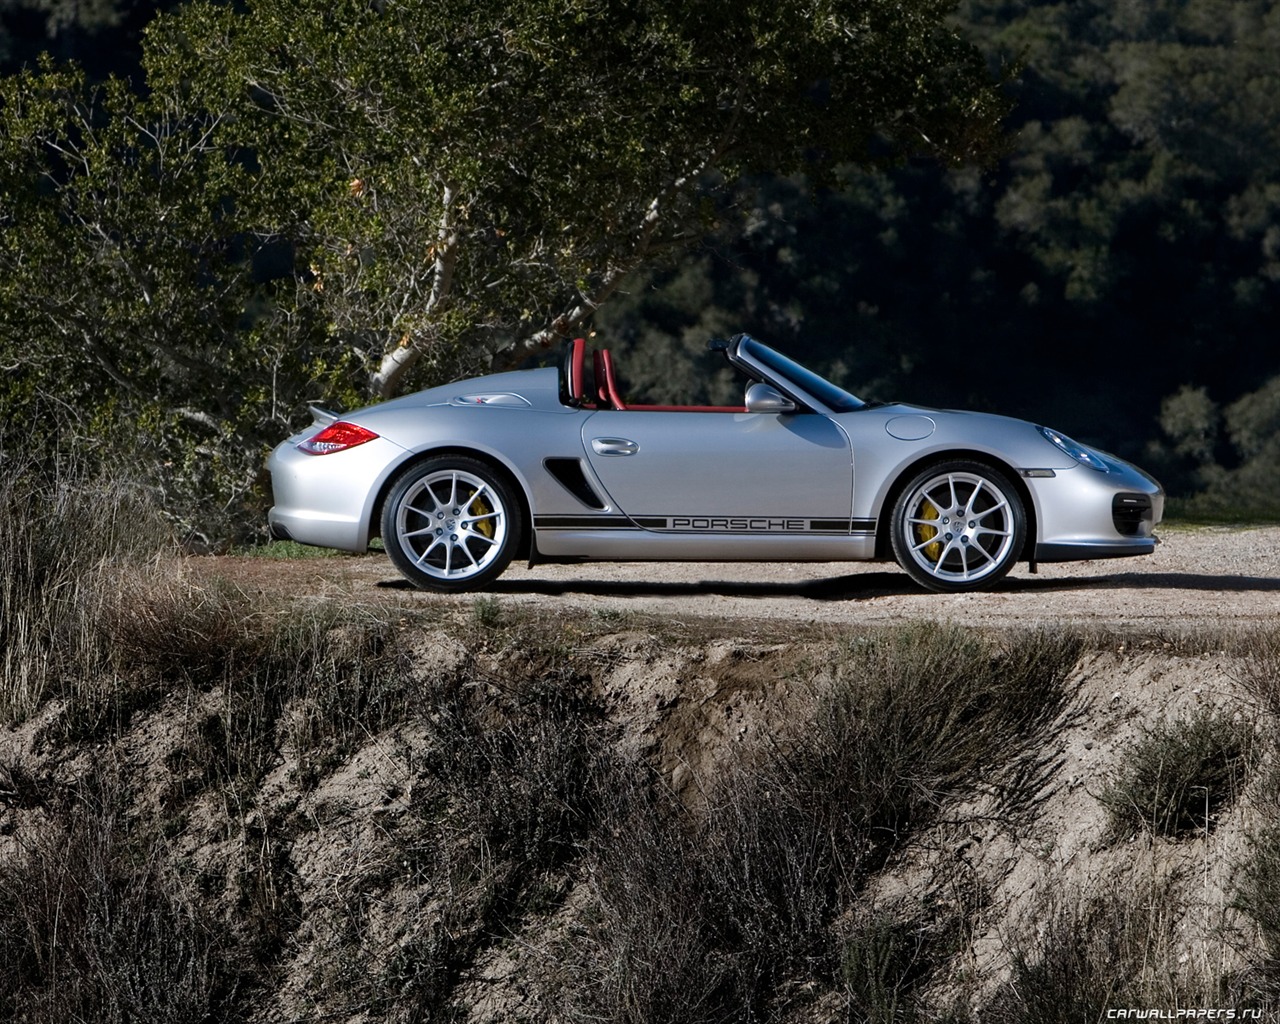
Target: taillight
[336,437]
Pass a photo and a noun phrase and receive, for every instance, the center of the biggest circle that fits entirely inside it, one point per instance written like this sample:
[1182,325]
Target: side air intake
[569,475]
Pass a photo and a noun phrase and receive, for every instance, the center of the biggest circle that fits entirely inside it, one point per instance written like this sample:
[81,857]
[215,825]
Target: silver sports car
[548,466]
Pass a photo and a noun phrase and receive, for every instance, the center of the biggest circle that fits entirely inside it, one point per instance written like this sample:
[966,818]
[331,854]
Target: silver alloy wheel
[451,524]
[958,526]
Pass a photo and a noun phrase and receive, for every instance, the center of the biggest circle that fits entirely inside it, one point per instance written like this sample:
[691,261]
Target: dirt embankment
[392,816]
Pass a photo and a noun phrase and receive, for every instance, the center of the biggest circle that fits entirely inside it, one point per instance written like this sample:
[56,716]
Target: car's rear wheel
[958,526]
[451,523]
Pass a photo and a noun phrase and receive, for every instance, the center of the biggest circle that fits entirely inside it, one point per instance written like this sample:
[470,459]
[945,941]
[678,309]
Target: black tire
[451,524]
[958,526]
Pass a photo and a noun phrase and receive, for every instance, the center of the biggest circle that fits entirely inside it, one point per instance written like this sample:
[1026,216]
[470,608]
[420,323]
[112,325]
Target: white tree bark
[401,359]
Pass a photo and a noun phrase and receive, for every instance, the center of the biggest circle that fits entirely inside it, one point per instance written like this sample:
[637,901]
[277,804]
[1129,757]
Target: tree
[478,177]
[1128,245]
[313,199]
[123,294]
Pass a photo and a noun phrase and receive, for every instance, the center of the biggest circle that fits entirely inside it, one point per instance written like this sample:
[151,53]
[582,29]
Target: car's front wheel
[958,526]
[451,523]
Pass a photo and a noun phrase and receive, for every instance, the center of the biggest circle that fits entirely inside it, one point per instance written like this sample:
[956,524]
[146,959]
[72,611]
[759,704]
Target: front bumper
[1081,513]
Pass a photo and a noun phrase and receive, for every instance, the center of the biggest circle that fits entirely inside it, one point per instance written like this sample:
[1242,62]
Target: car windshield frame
[761,356]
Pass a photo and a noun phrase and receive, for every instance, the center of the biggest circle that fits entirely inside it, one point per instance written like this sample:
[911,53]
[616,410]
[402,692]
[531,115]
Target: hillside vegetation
[217,805]
[274,203]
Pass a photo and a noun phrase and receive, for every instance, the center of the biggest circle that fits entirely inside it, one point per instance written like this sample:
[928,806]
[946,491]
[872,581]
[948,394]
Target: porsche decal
[708,524]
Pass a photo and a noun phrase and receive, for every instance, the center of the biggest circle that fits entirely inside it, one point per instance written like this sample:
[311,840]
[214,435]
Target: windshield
[834,398]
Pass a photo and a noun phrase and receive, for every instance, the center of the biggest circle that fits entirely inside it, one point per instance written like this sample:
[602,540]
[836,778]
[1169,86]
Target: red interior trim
[577,366]
[686,408]
[597,373]
[610,385]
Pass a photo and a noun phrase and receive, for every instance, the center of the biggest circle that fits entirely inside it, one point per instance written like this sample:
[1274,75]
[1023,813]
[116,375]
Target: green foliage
[344,199]
[339,202]
[128,308]
[1246,486]
[484,175]
[1123,251]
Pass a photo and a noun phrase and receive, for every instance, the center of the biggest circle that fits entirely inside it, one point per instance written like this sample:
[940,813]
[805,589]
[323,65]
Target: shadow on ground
[860,586]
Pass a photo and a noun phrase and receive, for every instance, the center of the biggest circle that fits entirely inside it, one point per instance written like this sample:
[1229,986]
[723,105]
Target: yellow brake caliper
[925,533]
[480,508]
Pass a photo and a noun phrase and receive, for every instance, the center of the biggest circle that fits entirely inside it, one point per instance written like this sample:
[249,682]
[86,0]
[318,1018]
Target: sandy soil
[1197,577]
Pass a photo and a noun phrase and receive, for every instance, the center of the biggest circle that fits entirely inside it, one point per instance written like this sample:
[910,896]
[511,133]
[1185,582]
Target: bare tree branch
[400,360]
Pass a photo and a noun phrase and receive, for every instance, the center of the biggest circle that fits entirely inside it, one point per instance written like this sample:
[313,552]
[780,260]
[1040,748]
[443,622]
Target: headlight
[1084,456]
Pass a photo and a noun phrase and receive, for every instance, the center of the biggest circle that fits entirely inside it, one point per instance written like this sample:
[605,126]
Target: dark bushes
[1178,775]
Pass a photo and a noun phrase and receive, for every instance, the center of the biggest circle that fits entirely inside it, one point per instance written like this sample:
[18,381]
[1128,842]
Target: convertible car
[548,466]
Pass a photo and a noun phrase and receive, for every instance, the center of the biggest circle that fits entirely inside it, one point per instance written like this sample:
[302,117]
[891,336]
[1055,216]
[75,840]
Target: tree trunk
[386,381]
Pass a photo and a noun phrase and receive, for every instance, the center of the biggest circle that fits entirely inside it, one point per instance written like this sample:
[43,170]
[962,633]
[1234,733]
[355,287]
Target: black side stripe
[583,523]
[836,526]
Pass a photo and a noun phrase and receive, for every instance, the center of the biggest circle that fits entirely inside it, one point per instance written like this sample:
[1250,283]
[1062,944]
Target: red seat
[597,371]
[574,371]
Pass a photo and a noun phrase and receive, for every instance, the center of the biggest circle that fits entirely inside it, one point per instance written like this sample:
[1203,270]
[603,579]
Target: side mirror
[763,398]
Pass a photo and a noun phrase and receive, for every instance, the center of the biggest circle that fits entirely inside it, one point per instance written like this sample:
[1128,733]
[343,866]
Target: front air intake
[1129,512]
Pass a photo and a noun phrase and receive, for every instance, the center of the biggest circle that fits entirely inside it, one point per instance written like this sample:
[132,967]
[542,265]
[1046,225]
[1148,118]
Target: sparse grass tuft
[880,963]
[487,612]
[1258,891]
[1115,946]
[1257,884]
[1180,774]
[1260,670]
[285,549]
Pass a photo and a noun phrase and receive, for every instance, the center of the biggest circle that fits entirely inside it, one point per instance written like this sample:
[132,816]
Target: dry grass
[727,915]
[94,928]
[61,538]
[517,812]
[1102,949]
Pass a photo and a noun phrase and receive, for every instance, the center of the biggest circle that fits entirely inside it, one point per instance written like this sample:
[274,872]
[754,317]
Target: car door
[727,472]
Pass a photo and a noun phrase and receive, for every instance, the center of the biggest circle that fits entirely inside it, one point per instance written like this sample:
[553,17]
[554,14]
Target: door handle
[614,446]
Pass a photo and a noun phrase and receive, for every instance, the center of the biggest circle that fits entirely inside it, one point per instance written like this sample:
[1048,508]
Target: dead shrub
[714,917]
[1177,777]
[1107,948]
[93,928]
[503,798]
[62,534]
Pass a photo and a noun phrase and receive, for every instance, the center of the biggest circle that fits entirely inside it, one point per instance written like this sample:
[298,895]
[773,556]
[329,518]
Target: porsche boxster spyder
[553,464]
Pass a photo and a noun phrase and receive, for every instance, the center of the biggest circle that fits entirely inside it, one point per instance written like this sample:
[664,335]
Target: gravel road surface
[1197,576]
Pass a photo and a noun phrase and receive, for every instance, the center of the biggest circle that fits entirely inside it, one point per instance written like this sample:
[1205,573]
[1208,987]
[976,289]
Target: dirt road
[1200,576]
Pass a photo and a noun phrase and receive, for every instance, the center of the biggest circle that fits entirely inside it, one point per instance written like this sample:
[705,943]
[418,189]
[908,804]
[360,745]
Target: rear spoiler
[322,417]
